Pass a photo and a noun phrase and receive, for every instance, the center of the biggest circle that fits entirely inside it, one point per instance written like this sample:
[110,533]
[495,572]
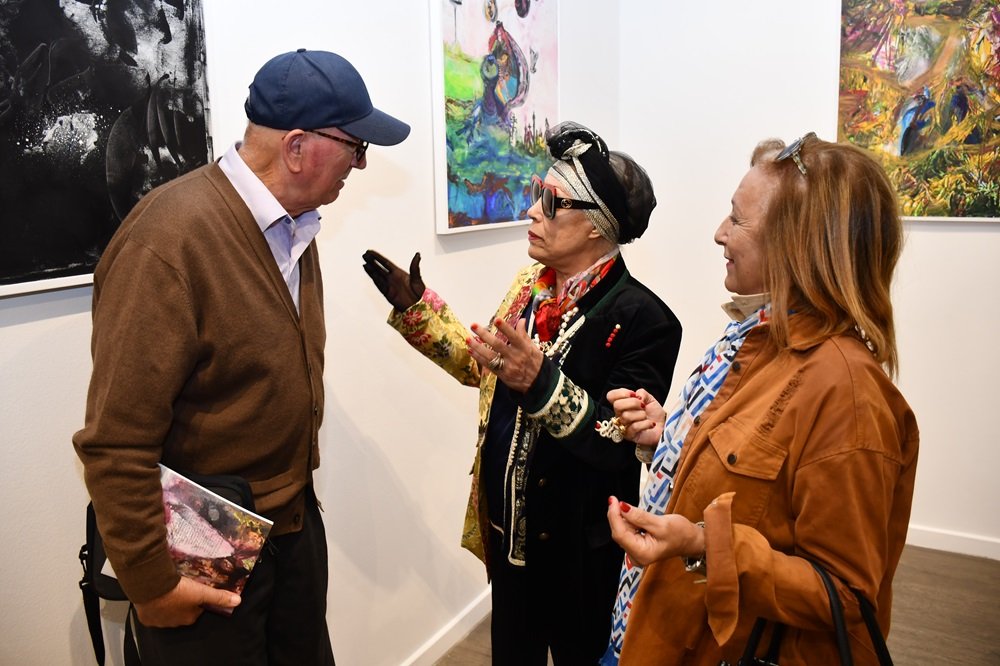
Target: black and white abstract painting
[100,101]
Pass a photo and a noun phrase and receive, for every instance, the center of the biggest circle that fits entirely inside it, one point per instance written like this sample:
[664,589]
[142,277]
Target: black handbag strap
[752,642]
[773,647]
[837,612]
[874,632]
[839,626]
[867,614]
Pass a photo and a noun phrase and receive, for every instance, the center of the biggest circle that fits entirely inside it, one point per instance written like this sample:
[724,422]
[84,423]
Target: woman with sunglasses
[572,326]
[790,445]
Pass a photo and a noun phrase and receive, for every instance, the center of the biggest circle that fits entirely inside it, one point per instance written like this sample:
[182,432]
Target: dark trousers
[556,603]
[281,620]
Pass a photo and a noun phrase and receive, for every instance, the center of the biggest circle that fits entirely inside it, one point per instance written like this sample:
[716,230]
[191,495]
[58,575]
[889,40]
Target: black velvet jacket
[557,504]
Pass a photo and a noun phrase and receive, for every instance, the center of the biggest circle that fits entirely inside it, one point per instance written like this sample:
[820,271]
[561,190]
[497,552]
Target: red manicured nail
[475,327]
[633,394]
[626,507]
[497,321]
[610,500]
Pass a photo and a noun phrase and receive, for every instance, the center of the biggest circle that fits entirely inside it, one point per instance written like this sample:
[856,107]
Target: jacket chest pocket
[750,466]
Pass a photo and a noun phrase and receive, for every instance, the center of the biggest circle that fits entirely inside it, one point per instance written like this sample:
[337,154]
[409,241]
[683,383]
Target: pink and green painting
[919,88]
[500,95]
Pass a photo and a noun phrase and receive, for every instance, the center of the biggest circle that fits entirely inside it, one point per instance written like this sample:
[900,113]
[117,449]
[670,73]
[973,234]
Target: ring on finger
[496,363]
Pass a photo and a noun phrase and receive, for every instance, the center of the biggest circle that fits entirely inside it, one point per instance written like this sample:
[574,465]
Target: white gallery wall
[398,438]
[701,84]
[688,92]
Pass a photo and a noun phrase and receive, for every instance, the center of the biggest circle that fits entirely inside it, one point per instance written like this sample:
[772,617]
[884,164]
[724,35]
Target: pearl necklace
[560,345]
[555,350]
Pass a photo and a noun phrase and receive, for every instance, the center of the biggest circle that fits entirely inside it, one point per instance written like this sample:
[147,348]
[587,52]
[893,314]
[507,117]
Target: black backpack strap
[93,582]
[129,647]
[91,604]
[233,488]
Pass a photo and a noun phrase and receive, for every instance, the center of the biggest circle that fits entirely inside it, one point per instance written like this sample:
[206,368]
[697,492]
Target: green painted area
[462,80]
[489,165]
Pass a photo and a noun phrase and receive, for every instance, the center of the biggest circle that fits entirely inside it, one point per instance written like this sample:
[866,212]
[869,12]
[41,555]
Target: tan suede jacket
[804,453]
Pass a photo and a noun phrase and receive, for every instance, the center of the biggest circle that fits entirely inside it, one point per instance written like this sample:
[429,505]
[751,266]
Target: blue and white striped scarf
[699,390]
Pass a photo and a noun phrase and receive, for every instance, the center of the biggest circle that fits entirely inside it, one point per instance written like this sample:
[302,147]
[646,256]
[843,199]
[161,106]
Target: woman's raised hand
[640,414]
[647,537]
[513,358]
[400,288]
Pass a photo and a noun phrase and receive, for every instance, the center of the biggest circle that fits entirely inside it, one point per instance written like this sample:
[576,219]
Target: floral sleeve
[431,328]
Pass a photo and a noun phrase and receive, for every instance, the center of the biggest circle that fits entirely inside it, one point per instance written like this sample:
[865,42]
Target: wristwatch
[696,564]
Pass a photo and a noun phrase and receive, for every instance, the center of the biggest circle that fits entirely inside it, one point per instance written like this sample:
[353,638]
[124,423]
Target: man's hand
[183,605]
[400,288]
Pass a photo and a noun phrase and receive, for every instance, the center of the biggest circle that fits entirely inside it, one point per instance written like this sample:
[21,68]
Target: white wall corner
[452,633]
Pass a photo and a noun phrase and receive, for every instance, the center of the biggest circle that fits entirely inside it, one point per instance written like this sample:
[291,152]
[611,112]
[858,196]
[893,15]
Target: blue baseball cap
[315,89]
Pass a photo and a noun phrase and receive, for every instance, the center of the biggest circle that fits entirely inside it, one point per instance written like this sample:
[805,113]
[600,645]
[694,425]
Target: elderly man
[208,357]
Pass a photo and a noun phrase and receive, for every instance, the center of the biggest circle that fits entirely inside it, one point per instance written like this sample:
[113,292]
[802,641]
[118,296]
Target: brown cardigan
[200,362]
[809,453]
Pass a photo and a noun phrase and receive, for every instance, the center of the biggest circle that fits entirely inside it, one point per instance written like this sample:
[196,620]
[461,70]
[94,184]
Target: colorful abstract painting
[99,103]
[920,87]
[498,94]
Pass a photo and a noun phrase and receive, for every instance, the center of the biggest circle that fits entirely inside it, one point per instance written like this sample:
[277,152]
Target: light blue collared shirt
[287,237]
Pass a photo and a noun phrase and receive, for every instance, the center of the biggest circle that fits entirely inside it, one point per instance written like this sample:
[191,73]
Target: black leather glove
[400,288]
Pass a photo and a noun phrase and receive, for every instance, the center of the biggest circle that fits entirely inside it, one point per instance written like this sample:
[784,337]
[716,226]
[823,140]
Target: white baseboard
[450,634]
[954,542]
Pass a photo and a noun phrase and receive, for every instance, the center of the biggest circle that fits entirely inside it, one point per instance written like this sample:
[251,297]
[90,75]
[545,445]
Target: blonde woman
[790,444]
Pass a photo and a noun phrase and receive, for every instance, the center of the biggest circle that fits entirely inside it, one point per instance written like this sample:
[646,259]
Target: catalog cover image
[212,540]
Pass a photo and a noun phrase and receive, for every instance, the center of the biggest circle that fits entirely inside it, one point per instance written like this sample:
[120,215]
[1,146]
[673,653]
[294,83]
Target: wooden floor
[946,610]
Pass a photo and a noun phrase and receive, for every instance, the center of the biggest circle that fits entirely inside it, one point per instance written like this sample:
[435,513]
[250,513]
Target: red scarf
[549,309]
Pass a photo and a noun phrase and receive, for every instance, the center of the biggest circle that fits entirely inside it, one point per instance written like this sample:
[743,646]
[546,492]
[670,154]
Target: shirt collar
[741,307]
[264,207]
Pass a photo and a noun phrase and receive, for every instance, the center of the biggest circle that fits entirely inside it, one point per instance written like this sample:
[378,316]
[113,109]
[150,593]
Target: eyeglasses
[793,149]
[547,193]
[360,147]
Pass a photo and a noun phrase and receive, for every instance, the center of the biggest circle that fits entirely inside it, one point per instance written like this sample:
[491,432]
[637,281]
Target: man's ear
[292,146]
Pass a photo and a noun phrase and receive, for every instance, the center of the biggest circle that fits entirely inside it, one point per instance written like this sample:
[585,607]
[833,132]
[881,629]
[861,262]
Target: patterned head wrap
[586,170]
